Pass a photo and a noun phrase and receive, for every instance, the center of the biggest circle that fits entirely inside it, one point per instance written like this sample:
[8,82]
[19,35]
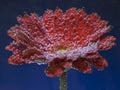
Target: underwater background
[32,76]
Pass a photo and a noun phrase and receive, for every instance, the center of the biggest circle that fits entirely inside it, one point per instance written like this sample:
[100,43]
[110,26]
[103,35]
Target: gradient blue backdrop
[32,76]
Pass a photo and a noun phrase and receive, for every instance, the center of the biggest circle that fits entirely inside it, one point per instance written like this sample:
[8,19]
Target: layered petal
[63,40]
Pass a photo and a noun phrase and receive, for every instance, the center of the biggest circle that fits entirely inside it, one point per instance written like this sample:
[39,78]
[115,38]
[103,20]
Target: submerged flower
[63,40]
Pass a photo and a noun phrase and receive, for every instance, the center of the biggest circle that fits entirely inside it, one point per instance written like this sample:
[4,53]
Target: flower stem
[63,81]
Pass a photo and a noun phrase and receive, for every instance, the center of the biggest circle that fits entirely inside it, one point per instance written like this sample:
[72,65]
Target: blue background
[32,76]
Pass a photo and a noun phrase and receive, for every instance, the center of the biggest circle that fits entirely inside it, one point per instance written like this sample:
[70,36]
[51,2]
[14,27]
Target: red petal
[82,65]
[99,63]
[106,42]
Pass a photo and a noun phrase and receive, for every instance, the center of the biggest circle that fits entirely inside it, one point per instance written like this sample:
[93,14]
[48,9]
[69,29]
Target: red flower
[63,40]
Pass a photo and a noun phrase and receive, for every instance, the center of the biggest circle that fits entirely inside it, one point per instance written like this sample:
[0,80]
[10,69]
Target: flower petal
[82,65]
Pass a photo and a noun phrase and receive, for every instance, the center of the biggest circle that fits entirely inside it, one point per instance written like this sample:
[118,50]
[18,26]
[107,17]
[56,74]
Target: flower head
[63,40]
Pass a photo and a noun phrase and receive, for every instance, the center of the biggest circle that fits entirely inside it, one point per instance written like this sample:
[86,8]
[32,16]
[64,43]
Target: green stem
[63,81]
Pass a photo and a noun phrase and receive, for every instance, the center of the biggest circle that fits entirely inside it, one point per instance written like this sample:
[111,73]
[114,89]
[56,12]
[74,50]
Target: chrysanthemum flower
[63,40]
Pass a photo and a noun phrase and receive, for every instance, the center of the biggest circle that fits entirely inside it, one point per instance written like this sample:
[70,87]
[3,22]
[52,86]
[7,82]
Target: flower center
[62,51]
